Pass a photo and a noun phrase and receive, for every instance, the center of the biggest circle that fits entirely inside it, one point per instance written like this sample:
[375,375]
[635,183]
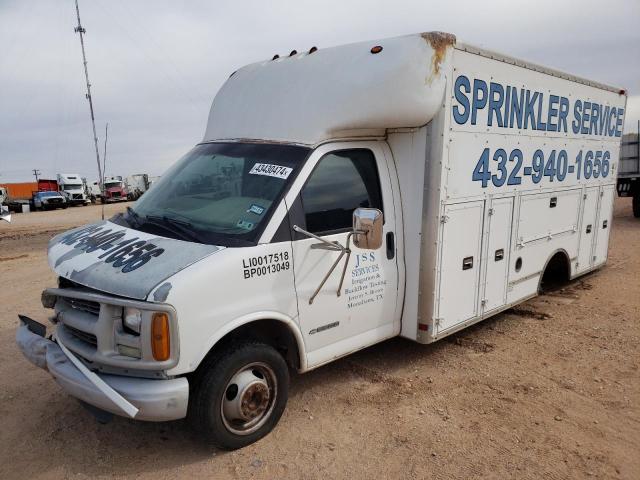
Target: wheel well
[272,332]
[557,272]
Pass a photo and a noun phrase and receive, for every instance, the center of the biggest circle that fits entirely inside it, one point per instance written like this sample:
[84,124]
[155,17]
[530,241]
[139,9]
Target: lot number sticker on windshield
[270,170]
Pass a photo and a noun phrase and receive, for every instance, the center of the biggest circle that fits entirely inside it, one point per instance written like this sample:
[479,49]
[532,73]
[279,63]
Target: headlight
[132,318]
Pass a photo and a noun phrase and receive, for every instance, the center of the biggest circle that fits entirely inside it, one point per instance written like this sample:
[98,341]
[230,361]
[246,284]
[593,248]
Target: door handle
[499,255]
[588,228]
[467,263]
[391,246]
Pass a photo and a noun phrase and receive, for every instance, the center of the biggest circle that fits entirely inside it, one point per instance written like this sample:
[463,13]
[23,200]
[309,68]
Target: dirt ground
[550,389]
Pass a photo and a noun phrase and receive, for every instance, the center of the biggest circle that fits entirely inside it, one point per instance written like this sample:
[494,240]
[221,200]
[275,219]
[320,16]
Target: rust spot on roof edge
[439,41]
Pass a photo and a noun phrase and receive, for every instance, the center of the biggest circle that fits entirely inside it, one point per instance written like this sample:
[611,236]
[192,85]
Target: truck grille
[83,336]
[84,305]
[77,196]
[115,194]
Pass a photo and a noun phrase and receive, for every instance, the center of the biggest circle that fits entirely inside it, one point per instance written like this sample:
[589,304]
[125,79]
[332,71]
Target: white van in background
[408,186]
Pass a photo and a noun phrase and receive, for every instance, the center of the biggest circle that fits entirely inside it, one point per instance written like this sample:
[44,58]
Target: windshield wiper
[133,215]
[181,228]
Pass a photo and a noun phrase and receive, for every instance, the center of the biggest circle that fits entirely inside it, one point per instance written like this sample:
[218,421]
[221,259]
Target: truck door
[603,226]
[499,220]
[459,264]
[335,322]
[588,228]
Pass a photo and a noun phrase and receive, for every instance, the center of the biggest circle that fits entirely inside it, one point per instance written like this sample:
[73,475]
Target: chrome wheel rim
[249,398]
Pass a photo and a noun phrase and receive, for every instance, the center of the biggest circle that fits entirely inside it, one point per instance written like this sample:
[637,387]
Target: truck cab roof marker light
[376,49]
[313,49]
[293,52]
[275,57]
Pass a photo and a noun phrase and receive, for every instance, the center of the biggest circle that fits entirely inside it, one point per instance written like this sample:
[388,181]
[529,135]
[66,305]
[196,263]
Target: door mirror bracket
[333,246]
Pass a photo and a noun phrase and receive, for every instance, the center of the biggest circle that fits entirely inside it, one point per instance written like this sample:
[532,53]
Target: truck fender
[252,317]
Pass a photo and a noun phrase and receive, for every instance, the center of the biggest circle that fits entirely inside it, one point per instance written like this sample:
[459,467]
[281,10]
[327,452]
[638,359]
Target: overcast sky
[155,66]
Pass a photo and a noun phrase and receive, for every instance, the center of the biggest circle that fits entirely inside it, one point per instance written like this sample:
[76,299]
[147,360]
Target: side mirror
[367,226]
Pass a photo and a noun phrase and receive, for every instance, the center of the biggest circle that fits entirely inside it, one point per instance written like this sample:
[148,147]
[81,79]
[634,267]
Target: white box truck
[409,186]
[72,187]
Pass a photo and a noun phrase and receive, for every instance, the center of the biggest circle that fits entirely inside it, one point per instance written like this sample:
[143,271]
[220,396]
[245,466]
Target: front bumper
[156,400]
[49,204]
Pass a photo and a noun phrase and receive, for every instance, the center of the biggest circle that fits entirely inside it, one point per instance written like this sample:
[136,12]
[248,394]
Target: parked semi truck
[136,185]
[114,190]
[629,171]
[72,186]
[409,186]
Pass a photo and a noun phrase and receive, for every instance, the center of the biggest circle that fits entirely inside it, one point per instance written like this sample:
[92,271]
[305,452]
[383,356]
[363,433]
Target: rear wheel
[239,395]
[636,205]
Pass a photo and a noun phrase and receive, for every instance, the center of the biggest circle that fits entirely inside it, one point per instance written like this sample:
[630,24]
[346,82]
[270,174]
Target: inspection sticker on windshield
[244,224]
[270,170]
[257,209]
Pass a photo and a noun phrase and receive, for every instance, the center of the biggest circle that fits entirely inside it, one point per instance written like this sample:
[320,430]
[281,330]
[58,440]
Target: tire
[636,205]
[261,373]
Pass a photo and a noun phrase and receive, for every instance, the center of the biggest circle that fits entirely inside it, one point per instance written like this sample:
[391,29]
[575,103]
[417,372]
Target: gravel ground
[549,389]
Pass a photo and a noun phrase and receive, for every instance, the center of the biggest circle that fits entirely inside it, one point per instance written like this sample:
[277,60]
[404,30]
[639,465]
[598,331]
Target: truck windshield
[219,193]
[72,186]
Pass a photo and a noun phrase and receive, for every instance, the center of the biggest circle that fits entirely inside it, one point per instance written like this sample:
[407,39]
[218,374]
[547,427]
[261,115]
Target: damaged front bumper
[147,399]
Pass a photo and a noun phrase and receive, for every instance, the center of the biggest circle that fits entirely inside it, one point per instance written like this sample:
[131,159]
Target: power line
[36,172]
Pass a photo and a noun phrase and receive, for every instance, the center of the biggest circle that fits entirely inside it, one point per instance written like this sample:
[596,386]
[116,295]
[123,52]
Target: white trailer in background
[629,171]
[414,185]
[136,185]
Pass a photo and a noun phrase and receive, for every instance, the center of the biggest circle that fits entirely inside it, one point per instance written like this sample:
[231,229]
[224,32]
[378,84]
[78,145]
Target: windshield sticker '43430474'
[129,255]
[271,170]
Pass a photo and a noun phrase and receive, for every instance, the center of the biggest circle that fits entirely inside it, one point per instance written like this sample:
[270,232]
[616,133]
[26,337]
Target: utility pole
[82,31]
[104,156]
[104,165]
[36,172]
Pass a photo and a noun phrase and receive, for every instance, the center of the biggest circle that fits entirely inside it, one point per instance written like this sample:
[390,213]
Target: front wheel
[239,395]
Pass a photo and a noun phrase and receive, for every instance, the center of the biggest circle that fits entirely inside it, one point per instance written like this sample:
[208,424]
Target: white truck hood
[119,260]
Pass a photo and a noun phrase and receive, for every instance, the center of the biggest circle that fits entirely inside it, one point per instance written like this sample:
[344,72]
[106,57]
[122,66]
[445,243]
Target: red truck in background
[47,185]
[114,190]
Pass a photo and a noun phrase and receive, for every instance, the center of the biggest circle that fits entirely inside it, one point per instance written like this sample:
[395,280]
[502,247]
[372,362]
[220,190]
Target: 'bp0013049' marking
[265,264]
[504,168]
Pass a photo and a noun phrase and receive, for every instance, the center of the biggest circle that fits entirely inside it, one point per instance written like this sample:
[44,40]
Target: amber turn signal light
[160,342]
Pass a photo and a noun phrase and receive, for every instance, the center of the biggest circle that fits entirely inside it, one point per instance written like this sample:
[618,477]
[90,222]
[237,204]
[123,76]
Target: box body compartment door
[459,264]
[588,228]
[603,226]
[497,254]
